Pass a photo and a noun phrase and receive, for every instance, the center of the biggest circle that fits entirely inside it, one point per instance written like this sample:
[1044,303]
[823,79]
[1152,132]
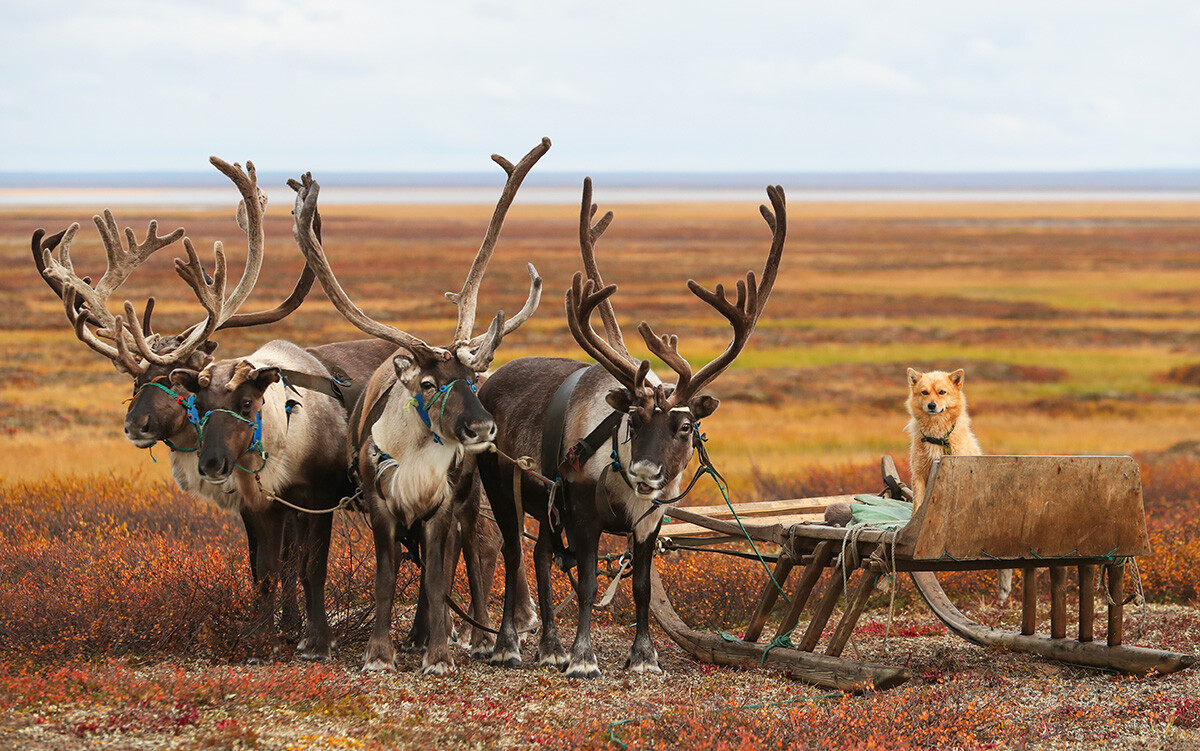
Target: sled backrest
[1029,507]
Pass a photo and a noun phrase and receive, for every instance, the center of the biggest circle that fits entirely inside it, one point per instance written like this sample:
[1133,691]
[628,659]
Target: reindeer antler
[742,315]
[478,351]
[89,305]
[474,352]
[582,299]
[307,189]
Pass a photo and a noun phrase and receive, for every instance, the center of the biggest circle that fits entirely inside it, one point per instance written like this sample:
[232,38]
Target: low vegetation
[123,600]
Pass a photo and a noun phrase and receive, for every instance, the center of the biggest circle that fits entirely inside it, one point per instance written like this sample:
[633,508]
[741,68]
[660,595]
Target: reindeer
[653,428]
[161,412]
[420,426]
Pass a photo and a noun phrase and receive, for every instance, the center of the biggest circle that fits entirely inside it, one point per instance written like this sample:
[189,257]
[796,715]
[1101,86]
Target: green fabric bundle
[877,511]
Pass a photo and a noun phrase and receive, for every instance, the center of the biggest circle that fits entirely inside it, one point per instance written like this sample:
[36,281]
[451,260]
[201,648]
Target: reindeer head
[157,412]
[660,428]
[229,399]
[440,381]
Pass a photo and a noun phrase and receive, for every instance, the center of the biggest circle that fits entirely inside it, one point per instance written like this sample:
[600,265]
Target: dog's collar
[944,441]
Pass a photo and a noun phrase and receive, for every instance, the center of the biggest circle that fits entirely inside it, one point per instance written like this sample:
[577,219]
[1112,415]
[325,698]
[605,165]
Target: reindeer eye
[428,385]
[685,426]
[247,404]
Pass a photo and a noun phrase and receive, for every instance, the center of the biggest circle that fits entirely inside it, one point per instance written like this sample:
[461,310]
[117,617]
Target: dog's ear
[957,377]
[913,377]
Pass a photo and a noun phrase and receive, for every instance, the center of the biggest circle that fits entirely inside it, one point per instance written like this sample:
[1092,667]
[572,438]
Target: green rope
[725,494]
[783,640]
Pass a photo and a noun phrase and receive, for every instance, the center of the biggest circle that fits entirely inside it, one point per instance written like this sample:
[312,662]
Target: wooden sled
[1061,513]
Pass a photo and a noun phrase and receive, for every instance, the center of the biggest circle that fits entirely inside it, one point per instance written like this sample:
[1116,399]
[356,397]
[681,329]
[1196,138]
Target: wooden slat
[1058,602]
[858,602]
[828,601]
[1028,601]
[1087,602]
[768,596]
[1116,604]
[766,508]
[682,529]
[821,556]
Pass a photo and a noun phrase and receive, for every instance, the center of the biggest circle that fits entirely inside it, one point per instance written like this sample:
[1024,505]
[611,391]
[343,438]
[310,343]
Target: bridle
[189,408]
[417,402]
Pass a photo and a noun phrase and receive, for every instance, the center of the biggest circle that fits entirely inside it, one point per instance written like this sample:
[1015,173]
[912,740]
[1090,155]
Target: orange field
[120,616]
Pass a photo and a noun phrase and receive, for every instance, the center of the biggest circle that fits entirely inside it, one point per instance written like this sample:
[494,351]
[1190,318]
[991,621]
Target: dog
[940,426]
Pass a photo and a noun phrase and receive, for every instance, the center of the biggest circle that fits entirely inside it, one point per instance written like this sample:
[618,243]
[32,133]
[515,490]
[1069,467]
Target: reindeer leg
[318,638]
[260,632]
[479,554]
[550,650]
[582,662]
[643,658]
[437,660]
[293,558]
[381,654]
[507,650]
[418,634]
[525,616]
[251,543]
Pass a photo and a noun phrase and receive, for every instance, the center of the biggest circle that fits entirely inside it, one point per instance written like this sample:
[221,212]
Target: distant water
[202,190]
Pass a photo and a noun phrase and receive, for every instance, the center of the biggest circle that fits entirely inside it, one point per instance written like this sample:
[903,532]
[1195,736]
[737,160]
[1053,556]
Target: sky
[617,85]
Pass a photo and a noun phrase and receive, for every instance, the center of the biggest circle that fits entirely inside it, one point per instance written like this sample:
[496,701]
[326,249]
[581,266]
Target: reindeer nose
[478,431]
[214,469]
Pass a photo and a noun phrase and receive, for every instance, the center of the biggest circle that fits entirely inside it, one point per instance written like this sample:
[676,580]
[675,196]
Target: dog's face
[935,392]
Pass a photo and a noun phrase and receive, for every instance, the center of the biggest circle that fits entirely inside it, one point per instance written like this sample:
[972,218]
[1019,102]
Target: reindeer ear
[957,377]
[187,379]
[702,406]
[619,399]
[263,377]
[913,377]
[406,368]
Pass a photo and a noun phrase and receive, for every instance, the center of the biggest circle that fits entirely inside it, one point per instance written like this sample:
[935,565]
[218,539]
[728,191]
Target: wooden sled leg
[1135,660]
[770,593]
[829,672]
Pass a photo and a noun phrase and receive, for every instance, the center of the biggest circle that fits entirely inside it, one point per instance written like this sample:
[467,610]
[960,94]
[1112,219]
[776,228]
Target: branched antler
[307,190]
[742,313]
[582,299]
[476,352]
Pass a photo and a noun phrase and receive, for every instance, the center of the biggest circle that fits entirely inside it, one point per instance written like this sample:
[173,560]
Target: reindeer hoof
[585,669]
[482,652]
[314,655]
[644,667]
[377,665]
[438,668]
[556,658]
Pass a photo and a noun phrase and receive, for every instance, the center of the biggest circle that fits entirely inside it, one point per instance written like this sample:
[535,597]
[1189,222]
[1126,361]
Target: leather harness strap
[554,425]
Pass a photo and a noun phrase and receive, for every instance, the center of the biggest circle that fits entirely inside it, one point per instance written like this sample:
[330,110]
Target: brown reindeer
[160,410]
[419,428]
[651,426]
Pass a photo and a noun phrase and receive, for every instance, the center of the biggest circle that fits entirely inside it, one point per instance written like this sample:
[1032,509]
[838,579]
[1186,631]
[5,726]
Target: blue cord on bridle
[189,406]
[256,444]
[418,403]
